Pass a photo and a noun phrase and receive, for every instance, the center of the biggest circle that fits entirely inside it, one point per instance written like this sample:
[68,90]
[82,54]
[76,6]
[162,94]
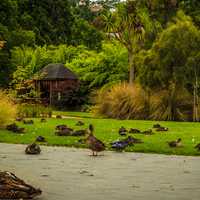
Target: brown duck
[11,187]
[80,123]
[176,143]
[33,149]
[94,144]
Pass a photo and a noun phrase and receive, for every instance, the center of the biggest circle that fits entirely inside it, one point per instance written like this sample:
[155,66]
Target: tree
[193,72]
[127,25]
[172,58]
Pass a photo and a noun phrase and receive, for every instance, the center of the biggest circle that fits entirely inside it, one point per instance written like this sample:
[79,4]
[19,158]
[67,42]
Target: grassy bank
[107,130]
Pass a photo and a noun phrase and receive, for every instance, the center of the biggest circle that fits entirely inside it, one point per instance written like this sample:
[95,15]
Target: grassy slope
[107,130]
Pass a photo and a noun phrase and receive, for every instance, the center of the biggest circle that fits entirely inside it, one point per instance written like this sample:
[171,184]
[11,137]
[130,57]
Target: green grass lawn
[107,130]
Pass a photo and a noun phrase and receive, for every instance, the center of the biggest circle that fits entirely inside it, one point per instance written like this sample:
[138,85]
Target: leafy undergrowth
[107,131]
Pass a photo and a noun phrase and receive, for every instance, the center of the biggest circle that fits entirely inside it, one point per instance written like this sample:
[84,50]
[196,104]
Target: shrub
[8,109]
[121,101]
[175,105]
[34,110]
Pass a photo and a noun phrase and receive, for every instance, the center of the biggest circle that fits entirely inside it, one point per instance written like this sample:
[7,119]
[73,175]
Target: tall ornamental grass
[121,101]
[8,109]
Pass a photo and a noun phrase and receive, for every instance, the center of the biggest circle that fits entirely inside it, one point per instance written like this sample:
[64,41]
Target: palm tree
[126,24]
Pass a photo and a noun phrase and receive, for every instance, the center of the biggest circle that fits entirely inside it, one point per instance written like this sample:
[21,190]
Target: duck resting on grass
[134,130]
[156,126]
[148,132]
[176,143]
[93,143]
[28,121]
[43,120]
[14,128]
[33,149]
[11,187]
[80,123]
[119,145]
[162,129]
[122,131]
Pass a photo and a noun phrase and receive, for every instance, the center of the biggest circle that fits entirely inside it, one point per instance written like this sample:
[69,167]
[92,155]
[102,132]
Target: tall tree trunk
[195,101]
[131,67]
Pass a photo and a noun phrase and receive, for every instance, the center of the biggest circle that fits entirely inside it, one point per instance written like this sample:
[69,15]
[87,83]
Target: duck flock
[11,187]
[92,142]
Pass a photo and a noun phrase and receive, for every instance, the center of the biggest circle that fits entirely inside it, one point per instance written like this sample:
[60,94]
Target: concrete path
[70,174]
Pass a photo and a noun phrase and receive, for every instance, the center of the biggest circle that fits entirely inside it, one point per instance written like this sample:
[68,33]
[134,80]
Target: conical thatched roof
[55,71]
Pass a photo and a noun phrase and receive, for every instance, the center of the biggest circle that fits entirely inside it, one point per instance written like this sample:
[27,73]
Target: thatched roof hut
[55,82]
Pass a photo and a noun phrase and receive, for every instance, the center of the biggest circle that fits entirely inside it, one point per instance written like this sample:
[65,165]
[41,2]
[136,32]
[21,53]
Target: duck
[28,121]
[63,130]
[197,147]
[80,123]
[79,132]
[33,149]
[14,128]
[12,187]
[19,130]
[162,129]
[93,143]
[40,139]
[61,127]
[134,130]
[122,131]
[148,132]
[43,120]
[11,127]
[131,140]
[119,145]
[176,143]
[156,126]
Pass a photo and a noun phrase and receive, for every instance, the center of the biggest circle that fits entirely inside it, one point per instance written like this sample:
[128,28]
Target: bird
[131,140]
[161,128]
[197,147]
[93,143]
[61,127]
[80,123]
[156,126]
[28,121]
[122,131]
[148,132]
[14,128]
[33,149]
[43,120]
[119,145]
[64,132]
[176,143]
[134,130]
[11,187]
[79,132]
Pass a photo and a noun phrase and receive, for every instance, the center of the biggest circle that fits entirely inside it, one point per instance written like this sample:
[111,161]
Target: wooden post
[50,94]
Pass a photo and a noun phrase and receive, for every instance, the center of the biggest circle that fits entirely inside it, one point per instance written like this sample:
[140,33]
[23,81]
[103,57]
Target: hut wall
[62,90]
[57,90]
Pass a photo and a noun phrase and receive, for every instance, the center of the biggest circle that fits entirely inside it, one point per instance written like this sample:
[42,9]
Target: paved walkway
[70,174]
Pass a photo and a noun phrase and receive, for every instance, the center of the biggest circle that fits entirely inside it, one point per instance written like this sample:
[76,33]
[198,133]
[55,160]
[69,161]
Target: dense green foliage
[154,43]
